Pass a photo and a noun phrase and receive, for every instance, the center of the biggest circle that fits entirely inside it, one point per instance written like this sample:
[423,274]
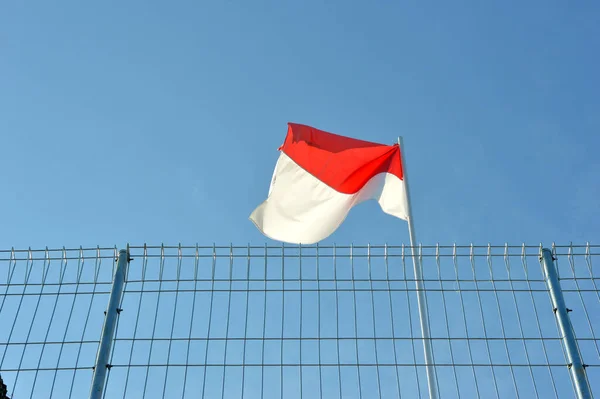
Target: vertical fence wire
[51,305]
[288,321]
[463,318]
[447,324]
[281,377]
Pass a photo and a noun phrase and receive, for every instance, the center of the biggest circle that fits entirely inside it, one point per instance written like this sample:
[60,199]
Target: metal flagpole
[421,297]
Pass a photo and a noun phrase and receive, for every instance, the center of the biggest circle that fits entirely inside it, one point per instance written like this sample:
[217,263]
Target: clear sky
[144,122]
[138,121]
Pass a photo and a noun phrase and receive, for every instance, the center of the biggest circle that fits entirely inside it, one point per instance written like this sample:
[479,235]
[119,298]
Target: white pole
[421,297]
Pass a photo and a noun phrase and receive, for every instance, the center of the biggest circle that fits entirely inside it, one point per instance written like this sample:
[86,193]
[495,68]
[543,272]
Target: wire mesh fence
[291,322]
[51,308]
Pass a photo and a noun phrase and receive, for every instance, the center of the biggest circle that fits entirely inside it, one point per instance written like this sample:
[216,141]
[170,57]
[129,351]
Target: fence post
[108,329]
[576,365]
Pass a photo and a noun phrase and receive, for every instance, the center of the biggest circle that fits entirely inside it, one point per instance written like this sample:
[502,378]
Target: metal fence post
[576,365]
[108,329]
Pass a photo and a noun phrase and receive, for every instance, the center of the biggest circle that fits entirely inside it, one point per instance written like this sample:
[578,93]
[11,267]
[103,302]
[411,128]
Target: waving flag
[320,176]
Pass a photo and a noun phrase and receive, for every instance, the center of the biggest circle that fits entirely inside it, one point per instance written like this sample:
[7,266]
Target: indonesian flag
[319,177]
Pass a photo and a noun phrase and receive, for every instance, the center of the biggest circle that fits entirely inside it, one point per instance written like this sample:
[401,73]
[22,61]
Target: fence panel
[317,322]
[51,303]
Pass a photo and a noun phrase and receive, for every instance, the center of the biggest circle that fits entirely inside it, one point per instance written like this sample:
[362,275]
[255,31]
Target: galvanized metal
[108,329]
[327,322]
[421,295]
[576,365]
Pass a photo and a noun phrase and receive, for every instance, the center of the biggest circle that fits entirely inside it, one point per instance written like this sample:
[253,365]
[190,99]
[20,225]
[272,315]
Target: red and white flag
[320,176]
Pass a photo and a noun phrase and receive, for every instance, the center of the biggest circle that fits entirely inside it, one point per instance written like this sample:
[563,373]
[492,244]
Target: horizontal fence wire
[291,321]
[51,308]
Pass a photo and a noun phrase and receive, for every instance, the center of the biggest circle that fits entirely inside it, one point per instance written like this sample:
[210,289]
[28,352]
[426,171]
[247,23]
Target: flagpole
[421,297]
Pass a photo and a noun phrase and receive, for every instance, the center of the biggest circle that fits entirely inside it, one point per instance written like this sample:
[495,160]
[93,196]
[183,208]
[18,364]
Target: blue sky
[146,122]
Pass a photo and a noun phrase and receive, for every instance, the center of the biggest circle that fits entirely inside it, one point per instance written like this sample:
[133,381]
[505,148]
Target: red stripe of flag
[344,164]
